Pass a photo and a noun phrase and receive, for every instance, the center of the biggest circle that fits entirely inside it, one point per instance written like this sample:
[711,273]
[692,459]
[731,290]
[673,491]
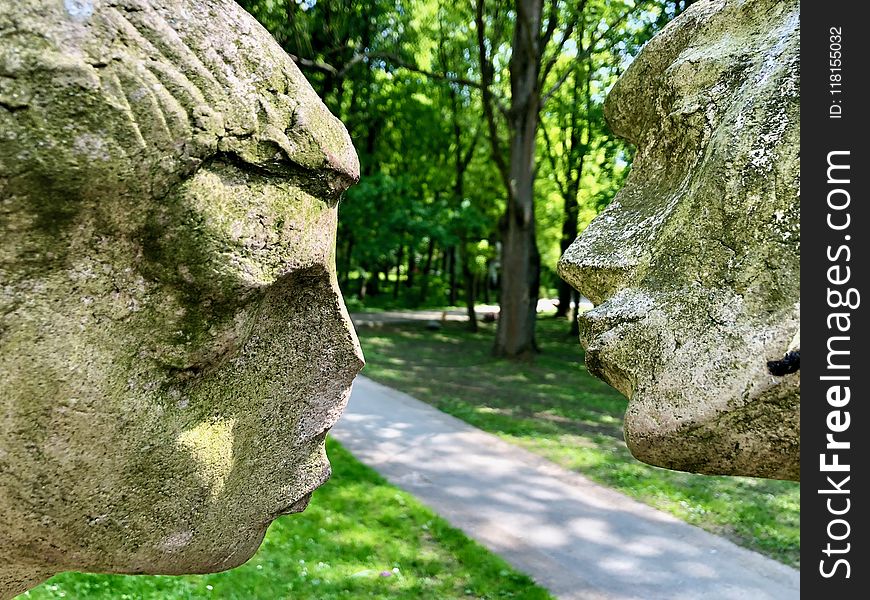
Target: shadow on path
[576,538]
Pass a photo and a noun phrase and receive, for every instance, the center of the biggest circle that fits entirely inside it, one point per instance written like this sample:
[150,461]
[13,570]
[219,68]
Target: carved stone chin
[173,343]
[694,269]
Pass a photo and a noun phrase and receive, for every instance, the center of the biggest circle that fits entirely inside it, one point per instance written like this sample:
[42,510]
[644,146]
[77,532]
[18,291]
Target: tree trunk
[362,289]
[576,152]
[469,279]
[412,266]
[454,288]
[347,263]
[486,284]
[521,262]
[399,258]
[461,161]
[575,322]
[515,334]
[565,294]
[569,234]
[427,269]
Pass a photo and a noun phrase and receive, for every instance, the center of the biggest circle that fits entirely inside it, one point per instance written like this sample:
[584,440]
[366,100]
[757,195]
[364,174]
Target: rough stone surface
[173,344]
[694,268]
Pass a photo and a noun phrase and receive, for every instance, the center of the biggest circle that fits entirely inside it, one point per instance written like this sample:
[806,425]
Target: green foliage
[582,164]
[404,77]
[555,408]
[360,538]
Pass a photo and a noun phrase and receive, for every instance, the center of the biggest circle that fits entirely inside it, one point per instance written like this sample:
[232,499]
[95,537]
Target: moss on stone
[695,265]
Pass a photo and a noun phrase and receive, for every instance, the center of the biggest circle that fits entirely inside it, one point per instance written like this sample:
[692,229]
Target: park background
[464,115]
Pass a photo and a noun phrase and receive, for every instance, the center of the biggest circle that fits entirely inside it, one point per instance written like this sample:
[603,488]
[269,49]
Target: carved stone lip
[298,506]
[301,503]
[601,332]
[601,364]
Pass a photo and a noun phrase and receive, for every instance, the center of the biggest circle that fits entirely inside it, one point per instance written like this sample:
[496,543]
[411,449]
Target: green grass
[359,538]
[555,408]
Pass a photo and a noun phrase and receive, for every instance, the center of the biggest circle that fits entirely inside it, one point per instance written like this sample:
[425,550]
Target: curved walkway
[576,538]
[389,317]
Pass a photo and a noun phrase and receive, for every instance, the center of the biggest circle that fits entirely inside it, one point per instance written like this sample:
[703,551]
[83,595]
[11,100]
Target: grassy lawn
[555,408]
[359,538]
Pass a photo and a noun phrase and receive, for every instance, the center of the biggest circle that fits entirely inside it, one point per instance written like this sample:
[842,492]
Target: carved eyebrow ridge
[326,185]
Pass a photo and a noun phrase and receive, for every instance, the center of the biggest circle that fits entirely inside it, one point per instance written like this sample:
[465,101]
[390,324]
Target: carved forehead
[705,58]
[712,104]
[147,89]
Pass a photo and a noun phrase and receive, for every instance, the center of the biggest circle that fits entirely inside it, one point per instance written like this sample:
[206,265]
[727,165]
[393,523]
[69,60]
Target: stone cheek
[174,344]
[694,268]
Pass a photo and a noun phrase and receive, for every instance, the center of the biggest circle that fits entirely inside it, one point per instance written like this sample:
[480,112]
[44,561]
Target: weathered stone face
[694,268]
[173,344]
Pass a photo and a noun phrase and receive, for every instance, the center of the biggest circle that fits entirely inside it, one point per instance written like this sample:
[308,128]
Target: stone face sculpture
[694,268]
[173,344]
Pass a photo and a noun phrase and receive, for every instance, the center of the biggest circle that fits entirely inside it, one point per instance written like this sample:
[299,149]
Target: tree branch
[569,31]
[593,44]
[486,70]
[591,49]
[552,159]
[469,153]
[314,64]
[398,61]
[392,59]
[349,65]
[555,87]
[552,23]
[548,66]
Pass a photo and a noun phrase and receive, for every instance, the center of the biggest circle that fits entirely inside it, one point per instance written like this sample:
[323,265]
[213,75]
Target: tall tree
[577,140]
[411,81]
[530,65]
[515,334]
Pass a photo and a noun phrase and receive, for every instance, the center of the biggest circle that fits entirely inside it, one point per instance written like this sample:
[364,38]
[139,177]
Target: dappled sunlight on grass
[555,408]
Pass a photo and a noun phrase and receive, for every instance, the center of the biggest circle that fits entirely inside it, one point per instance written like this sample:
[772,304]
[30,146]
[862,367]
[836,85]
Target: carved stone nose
[596,274]
[344,169]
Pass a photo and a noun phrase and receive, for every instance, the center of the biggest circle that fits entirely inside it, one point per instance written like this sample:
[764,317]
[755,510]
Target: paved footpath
[362,319]
[576,538]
